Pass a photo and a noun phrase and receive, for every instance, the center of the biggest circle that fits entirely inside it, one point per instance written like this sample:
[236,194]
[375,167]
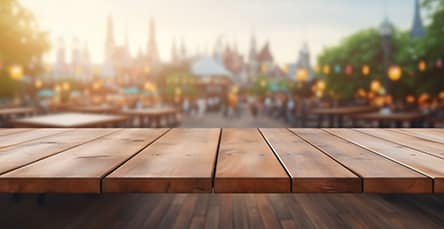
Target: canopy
[209,67]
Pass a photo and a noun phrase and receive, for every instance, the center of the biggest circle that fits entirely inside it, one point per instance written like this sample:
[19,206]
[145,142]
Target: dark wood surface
[398,116]
[343,110]
[16,111]
[224,211]
[221,161]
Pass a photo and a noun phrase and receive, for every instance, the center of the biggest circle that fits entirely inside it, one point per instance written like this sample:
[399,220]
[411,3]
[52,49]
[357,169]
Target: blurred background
[196,63]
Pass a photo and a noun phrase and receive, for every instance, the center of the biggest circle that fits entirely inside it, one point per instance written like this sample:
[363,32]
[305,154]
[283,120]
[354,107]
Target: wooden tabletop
[397,116]
[16,111]
[69,120]
[343,110]
[150,111]
[221,160]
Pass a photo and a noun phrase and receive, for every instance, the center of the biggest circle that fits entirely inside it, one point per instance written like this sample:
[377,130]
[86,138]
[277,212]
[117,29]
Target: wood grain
[420,144]
[247,164]
[14,138]
[436,135]
[19,155]
[180,161]
[69,120]
[80,169]
[424,163]
[310,169]
[379,174]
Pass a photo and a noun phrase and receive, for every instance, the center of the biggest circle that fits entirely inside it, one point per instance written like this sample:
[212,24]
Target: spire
[174,51]
[418,30]
[152,52]
[109,43]
[253,52]
[183,50]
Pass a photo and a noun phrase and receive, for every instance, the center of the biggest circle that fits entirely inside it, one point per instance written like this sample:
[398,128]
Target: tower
[174,55]
[109,42]
[60,55]
[253,64]
[152,52]
[418,30]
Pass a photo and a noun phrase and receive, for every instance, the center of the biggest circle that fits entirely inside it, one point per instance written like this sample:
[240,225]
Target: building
[418,30]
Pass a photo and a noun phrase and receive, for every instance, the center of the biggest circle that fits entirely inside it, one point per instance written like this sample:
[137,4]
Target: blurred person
[268,105]
[290,110]
[201,107]
[186,106]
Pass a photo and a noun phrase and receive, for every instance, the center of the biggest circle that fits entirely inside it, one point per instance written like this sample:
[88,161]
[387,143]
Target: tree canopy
[22,44]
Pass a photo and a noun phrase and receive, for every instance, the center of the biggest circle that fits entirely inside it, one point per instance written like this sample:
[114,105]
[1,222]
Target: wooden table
[152,117]
[384,120]
[9,113]
[222,161]
[70,120]
[339,113]
[98,109]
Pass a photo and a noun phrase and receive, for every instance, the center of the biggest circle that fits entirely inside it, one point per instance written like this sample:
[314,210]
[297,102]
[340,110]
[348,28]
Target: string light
[16,72]
[375,86]
[395,73]
[38,84]
[422,66]
[337,68]
[301,75]
[365,70]
[349,70]
[326,69]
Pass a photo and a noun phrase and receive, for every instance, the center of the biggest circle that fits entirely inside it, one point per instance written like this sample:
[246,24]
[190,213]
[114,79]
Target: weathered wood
[310,169]
[429,165]
[180,161]
[20,137]
[80,169]
[247,164]
[423,145]
[19,155]
[8,131]
[379,174]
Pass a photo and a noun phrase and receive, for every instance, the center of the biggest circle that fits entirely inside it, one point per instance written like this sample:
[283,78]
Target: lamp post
[386,31]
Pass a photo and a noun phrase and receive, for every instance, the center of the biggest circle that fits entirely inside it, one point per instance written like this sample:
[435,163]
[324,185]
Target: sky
[286,24]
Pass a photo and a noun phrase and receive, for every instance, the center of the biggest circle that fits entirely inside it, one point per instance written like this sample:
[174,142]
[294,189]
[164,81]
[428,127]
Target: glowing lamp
[422,65]
[16,72]
[326,69]
[375,86]
[38,84]
[263,83]
[302,75]
[349,70]
[66,86]
[410,99]
[395,73]
[365,70]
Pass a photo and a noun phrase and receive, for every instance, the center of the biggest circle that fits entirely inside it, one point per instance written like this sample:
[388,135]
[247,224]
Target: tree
[22,43]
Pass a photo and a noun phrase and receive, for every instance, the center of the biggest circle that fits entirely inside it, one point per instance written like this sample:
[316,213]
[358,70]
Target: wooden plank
[180,161]
[311,170]
[420,144]
[379,174]
[436,135]
[426,164]
[80,169]
[247,164]
[8,131]
[19,155]
[20,137]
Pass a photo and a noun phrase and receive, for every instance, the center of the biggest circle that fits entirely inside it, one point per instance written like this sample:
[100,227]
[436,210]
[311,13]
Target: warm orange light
[16,72]
[410,99]
[264,68]
[423,98]
[97,85]
[395,73]
[302,75]
[365,70]
[66,86]
[361,92]
[38,84]
[317,69]
[422,66]
[441,95]
[321,85]
[375,86]
[326,69]
[263,83]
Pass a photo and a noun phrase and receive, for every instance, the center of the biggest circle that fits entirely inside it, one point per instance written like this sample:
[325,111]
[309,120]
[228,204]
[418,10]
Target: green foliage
[22,43]
[364,48]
